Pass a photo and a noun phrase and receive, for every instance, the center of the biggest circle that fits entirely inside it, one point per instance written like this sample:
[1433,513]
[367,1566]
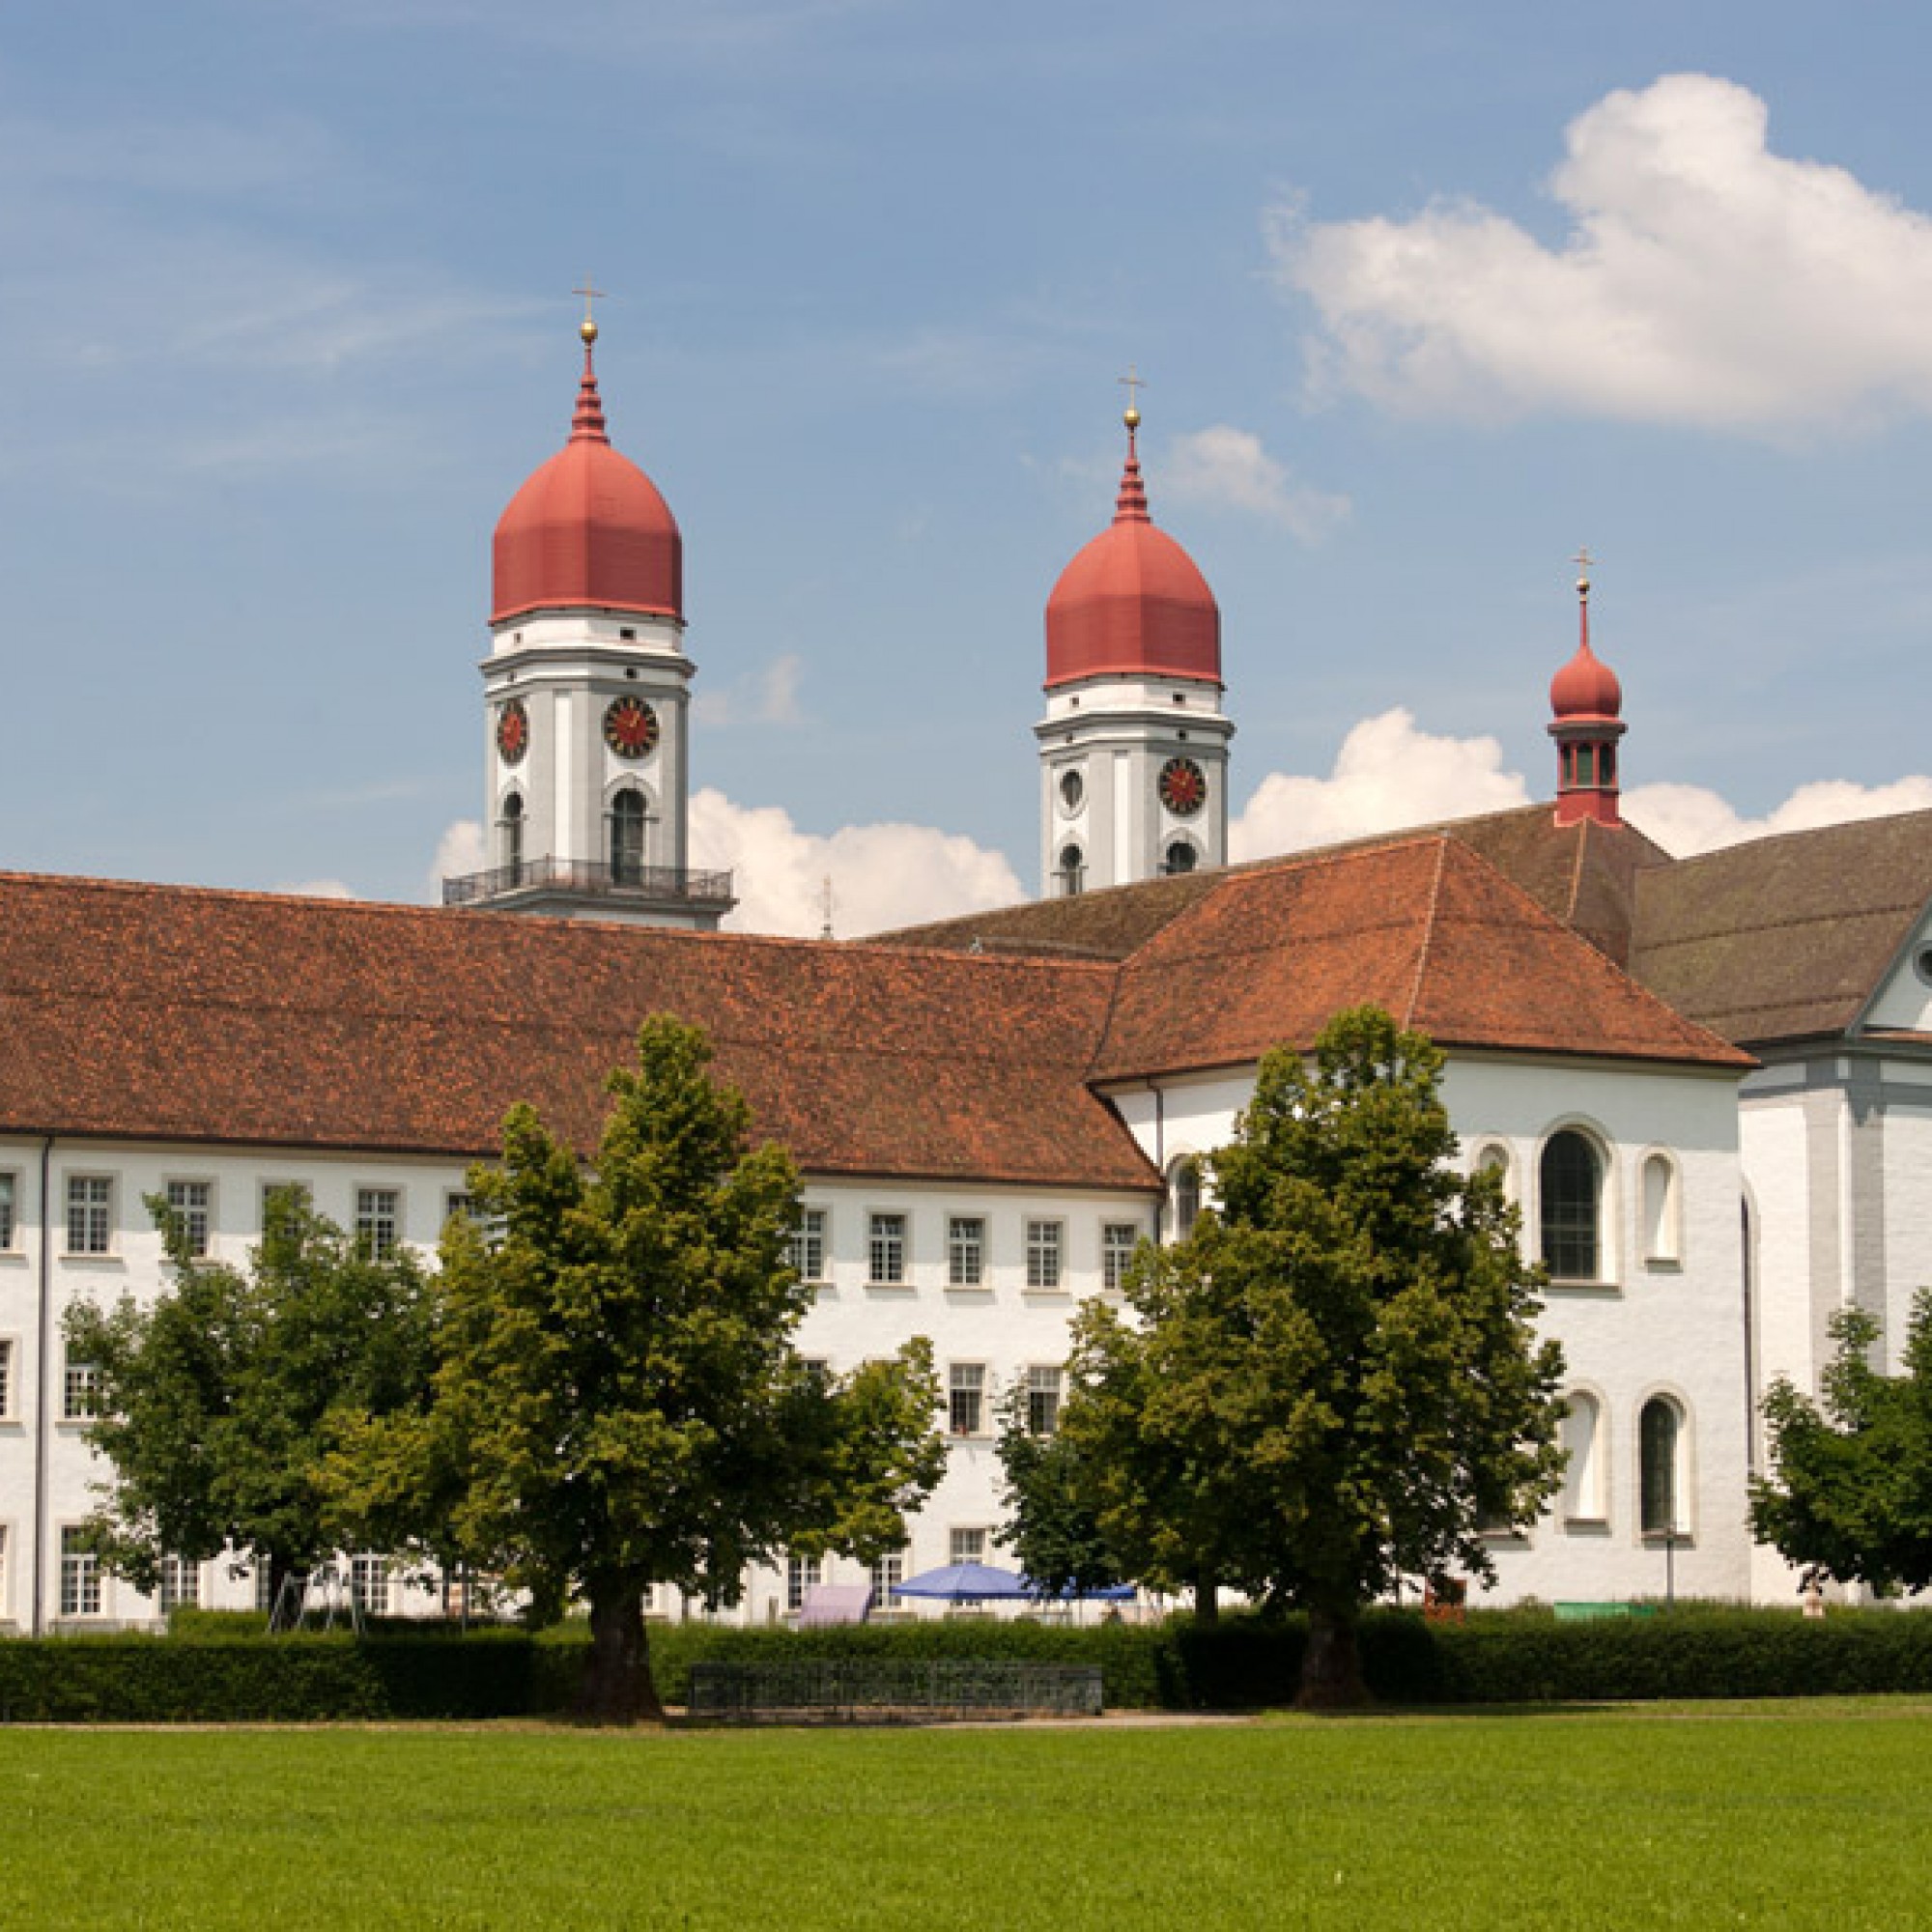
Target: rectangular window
[285,1194]
[801,1576]
[888,1574]
[967,1545]
[379,1213]
[807,1244]
[80,1392]
[188,1202]
[90,1213]
[1042,1398]
[965,1250]
[181,1583]
[458,1203]
[369,1578]
[1118,1241]
[966,1398]
[1044,1243]
[265,1585]
[79,1576]
[7,1184]
[6,1382]
[886,1243]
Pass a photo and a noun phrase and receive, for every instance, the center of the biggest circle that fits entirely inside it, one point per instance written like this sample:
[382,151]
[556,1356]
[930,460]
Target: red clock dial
[1183,789]
[631,728]
[513,731]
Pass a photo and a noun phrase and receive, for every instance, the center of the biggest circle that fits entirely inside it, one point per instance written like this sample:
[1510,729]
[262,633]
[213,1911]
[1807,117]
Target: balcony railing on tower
[660,885]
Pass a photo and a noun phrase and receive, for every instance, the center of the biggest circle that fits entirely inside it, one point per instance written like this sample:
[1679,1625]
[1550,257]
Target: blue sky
[1425,296]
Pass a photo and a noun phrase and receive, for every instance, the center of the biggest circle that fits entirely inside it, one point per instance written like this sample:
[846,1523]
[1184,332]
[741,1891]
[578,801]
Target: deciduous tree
[1335,1380]
[218,1403]
[618,1402]
[1851,1492]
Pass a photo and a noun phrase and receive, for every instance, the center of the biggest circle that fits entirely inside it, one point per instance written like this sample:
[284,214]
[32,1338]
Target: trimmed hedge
[1520,1656]
[146,1680]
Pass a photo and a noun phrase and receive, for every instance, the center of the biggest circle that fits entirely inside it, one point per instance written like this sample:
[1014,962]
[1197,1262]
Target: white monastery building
[1707,1083]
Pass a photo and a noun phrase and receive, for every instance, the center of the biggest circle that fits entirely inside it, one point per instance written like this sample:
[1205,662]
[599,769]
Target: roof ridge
[1427,931]
[1764,839]
[618,931]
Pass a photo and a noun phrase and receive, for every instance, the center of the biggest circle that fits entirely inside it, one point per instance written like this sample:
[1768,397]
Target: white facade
[991,1276]
[1106,746]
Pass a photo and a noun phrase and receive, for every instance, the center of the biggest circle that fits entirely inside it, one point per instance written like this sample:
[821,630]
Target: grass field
[1707,1816]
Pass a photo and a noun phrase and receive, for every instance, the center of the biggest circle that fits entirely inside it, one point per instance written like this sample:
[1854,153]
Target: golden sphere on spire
[588,331]
[1582,587]
[1131,416]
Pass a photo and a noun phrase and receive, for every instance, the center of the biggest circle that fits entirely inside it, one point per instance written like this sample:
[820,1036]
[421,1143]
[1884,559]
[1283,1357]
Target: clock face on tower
[1184,790]
[512,733]
[631,728]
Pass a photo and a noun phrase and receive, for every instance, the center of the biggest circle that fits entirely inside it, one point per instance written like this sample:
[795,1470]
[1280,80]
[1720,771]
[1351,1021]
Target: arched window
[1073,870]
[510,837]
[1660,1433]
[1494,1158]
[1660,1210]
[1584,1487]
[1182,857]
[1184,1194]
[1572,1194]
[627,838]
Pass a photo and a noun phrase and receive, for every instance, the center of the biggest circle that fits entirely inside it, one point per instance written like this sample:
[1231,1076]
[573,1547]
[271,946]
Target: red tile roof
[172,1013]
[1426,929]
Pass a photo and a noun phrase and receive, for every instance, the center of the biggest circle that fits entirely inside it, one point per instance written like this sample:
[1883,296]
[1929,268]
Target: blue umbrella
[964,1582]
[1114,1593]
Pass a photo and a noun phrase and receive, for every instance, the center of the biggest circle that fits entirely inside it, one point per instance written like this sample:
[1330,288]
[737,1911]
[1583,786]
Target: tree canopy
[1850,1493]
[218,1402]
[618,1403]
[1334,1382]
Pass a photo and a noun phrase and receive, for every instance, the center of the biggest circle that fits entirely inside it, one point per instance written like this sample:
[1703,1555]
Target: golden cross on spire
[1132,382]
[587,328]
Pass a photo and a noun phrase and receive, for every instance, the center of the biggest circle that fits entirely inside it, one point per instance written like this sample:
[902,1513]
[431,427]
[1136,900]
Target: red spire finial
[588,424]
[1130,506]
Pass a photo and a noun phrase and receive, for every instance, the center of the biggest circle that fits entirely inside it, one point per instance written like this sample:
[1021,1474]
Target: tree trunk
[617,1686]
[1207,1599]
[1331,1667]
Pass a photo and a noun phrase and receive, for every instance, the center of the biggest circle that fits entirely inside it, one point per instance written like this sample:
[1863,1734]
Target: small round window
[1072,789]
[1921,963]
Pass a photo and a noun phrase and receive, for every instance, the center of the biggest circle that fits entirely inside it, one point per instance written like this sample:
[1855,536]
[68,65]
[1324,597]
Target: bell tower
[1133,748]
[586,694]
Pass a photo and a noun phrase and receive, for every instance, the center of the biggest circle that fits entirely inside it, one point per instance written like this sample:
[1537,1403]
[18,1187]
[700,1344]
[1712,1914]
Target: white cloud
[459,852]
[1704,279]
[881,876]
[1222,464]
[318,888]
[1387,775]
[766,696]
[1687,819]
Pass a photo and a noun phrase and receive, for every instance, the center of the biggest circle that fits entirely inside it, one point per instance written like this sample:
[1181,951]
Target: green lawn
[1794,1816]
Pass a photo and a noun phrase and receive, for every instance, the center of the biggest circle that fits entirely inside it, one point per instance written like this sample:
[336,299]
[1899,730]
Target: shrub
[219,1669]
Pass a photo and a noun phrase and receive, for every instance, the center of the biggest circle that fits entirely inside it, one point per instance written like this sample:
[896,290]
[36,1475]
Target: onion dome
[1587,700]
[587,529]
[1586,686]
[1132,603]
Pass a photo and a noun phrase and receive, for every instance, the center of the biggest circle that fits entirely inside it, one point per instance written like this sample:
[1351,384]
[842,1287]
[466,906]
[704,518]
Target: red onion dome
[1132,603]
[1586,686]
[587,528]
